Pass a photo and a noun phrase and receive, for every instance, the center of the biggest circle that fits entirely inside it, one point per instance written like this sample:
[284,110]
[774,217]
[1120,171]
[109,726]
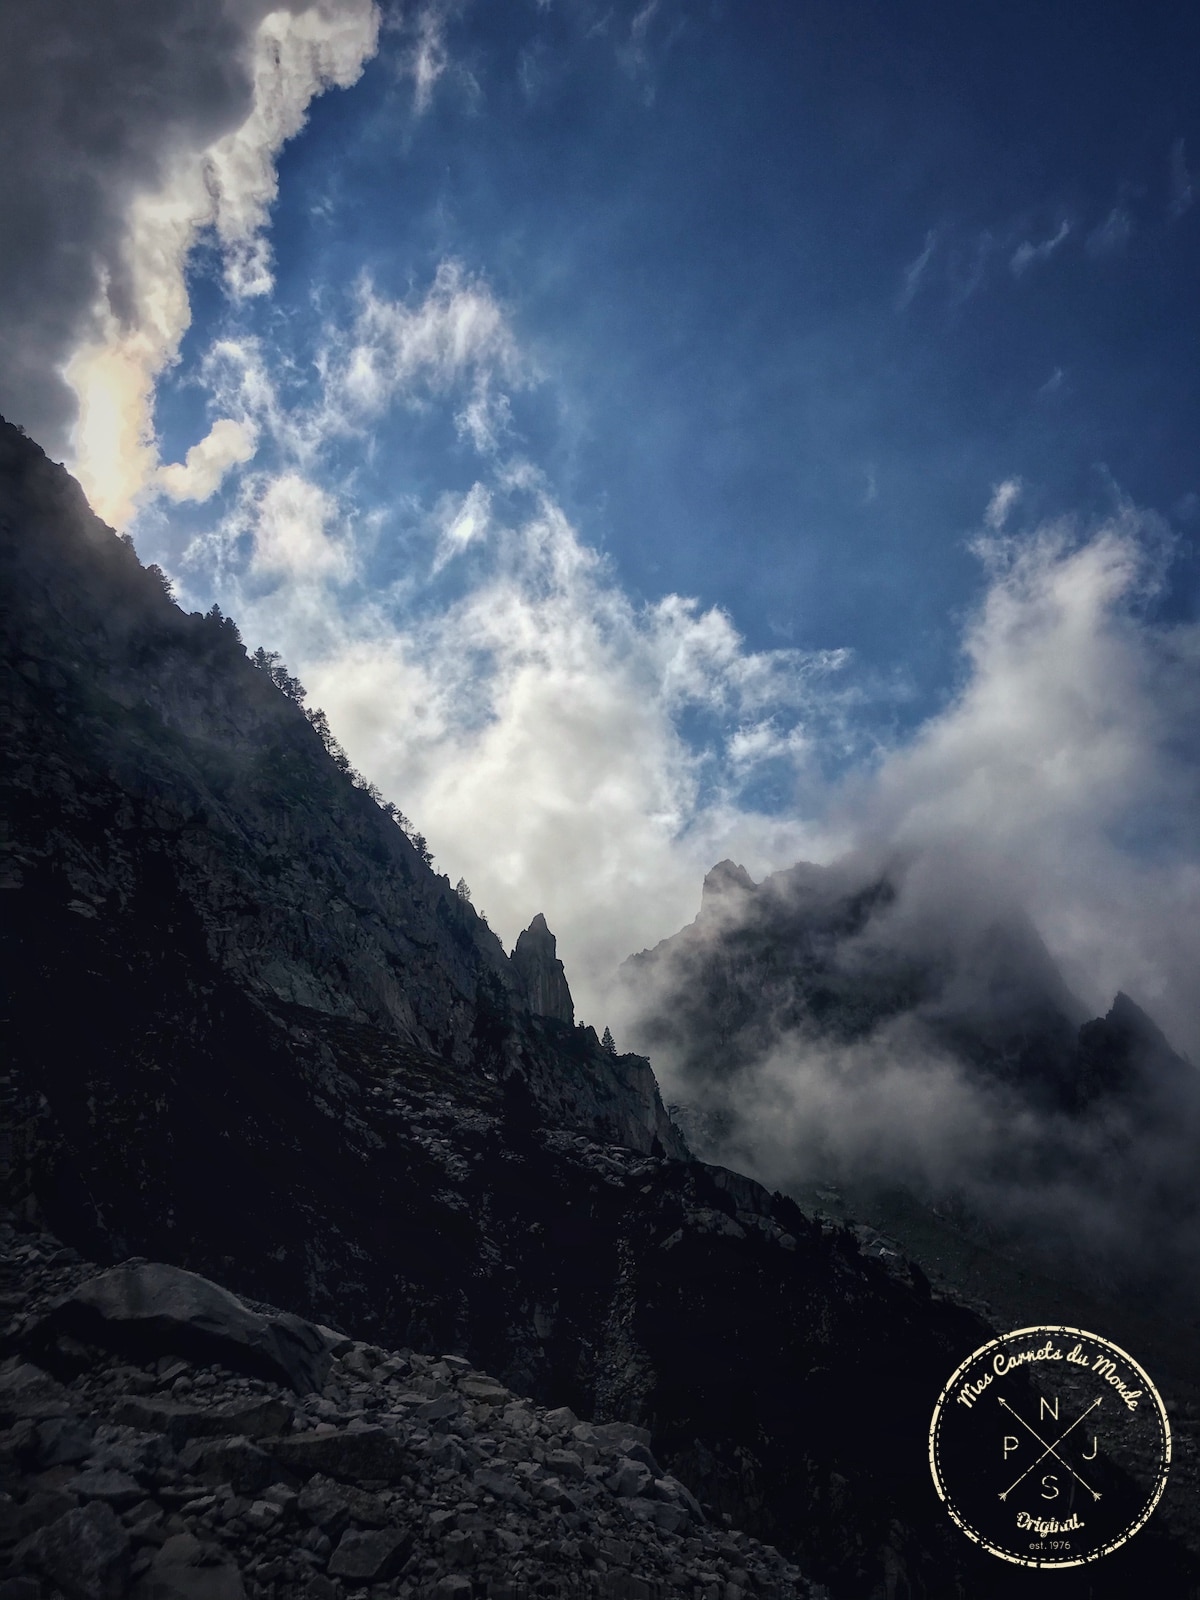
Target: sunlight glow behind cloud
[227,187]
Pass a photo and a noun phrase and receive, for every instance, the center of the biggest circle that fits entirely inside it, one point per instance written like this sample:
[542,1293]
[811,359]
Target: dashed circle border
[947,1499]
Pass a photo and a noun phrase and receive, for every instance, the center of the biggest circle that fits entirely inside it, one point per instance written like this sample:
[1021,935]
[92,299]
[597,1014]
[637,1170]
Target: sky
[660,431]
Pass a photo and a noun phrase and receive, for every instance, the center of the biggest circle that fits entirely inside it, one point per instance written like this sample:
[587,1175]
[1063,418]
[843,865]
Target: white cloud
[1028,254]
[291,536]
[462,520]
[1065,777]
[531,727]
[1004,496]
[227,444]
[427,59]
[1052,385]
[914,273]
[458,333]
[452,344]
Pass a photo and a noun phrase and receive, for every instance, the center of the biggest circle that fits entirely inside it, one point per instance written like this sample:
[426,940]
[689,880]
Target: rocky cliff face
[541,973]
[822,952]
[150,765]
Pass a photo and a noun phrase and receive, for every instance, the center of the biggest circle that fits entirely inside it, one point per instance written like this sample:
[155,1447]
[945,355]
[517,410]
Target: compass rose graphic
[1050,1446]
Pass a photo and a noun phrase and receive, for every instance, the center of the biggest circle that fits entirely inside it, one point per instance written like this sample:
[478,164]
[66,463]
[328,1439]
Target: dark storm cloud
[95,100]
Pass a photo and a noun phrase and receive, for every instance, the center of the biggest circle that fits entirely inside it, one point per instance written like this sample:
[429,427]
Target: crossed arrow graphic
[1049,1449]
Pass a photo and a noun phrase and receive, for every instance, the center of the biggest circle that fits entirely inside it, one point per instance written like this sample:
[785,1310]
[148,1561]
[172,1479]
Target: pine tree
[607,1042]
[160,577]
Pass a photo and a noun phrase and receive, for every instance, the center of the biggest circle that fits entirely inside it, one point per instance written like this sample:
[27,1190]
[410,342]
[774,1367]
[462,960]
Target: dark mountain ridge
[825,989]
[251,1034]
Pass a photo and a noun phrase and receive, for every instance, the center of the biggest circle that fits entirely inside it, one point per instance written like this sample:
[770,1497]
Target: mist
[908,1014]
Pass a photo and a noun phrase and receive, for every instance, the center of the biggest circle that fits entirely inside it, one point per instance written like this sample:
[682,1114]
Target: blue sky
[662,431]
[768,261]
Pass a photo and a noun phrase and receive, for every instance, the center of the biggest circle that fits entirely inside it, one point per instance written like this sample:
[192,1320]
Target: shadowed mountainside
[252,1034]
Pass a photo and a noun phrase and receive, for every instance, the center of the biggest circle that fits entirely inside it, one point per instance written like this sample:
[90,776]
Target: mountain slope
[251,1034]
[164,790]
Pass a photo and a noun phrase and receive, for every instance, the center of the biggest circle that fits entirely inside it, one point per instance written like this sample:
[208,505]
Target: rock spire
[541,972]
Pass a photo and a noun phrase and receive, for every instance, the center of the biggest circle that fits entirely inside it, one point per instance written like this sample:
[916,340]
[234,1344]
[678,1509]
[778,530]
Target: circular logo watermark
[1050,1447]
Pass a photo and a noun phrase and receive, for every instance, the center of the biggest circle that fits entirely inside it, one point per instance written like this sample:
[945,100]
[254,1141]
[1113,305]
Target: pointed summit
[541,972]
[726,878]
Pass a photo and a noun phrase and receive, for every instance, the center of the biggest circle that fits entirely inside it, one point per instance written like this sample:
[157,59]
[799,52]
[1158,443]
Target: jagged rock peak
[725,878]
[539,969]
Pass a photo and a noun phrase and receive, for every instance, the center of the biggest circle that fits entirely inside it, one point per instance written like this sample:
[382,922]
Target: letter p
[1010,1444]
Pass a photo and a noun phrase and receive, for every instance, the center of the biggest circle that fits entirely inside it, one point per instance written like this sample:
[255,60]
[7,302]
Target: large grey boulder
[253,1418]
[149,1308]
[236,1461]
[86,1553]
[348,1454]
[372,1557]
[27,1391]
[186,1569]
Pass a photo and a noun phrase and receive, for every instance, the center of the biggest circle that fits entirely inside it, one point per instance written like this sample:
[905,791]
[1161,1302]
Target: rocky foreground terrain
[182,1450]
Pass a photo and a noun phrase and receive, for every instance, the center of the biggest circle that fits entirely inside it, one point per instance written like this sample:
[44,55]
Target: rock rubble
[394,1473]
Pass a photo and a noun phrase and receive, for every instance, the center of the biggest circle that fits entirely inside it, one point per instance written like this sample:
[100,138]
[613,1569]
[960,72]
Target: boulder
[185,1569]
[28,1391]
[148,1308]
[453,1587]
[348,1454]
[566,1464]
[105,1483]
[247,1469]
[485,1391]
[324,1504]
[631,1479]
[143,1455]
[61,1440]
[18,1521]
[371,1557]
[251,1418]
[613,1433]
[332,1507]
[86,1553]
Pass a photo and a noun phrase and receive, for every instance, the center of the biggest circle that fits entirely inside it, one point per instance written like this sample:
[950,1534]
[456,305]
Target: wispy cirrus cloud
[1110,237]
[916,272]
[1028,254]
[453,343]
[1004,497]
[1181,185]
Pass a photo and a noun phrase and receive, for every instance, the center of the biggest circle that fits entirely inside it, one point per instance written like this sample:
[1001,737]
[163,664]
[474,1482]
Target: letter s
[1050,1486]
